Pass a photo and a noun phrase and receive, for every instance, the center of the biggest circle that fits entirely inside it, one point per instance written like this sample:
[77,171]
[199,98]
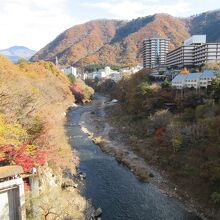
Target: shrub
[144,88]
[215,197]
[176,141]
[71,78]
[161,119]
[27,156]
[81,91]
[36,125]
[11,133]
[165,84]
[215,94]
[204,111]
[160,135]
[188,115]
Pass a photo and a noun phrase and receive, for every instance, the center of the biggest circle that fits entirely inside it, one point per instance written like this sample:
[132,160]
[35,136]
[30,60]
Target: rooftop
[193,75]
[195,39]
[9,171]
[179,77]
[208,73]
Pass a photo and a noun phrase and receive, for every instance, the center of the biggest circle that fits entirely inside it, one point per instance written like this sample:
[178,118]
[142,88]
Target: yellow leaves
[184,71]
[35,91]
[155,87]
[11,133]
[31,149]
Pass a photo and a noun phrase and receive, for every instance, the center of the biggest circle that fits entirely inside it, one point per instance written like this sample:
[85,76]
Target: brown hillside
[127,50]
[79,41]
[120,42]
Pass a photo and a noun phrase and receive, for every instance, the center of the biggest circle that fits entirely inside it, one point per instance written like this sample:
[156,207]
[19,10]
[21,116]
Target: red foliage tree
[76,88]
[27,156]
[77,92]
[160,135]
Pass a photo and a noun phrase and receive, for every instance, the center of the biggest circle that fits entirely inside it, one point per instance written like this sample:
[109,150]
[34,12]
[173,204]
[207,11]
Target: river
[113,187]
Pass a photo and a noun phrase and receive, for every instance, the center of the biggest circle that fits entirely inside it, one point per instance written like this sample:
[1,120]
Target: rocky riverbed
[96,125]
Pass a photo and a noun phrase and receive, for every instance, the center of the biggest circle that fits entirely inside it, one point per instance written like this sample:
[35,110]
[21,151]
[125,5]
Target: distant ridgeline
[17,53]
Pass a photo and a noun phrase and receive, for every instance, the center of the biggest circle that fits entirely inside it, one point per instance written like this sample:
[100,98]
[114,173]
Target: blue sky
[34,23]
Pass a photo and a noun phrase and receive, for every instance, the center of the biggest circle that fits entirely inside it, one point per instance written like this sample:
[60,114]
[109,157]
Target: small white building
[12,197]
[101,74]
[116,76]
[131,70]
[194,80]
[179,81]
[108,71]
[206,78]
[137,68]
[70,70]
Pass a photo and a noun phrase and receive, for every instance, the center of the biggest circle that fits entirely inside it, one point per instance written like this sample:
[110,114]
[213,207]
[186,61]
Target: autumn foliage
[75,87]
[27,156]
[81,91]
[33,98]
[112,41]
[181,134]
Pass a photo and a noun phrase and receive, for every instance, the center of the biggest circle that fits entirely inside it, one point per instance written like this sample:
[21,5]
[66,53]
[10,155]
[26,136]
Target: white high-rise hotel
[155,52]
[195,52]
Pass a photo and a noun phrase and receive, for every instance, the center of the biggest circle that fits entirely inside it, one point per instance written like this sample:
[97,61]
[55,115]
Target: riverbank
[34,99]
[112,186]
[97,125]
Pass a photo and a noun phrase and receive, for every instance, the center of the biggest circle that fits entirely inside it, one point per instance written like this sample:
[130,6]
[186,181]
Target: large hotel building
[155,52]
[194,52]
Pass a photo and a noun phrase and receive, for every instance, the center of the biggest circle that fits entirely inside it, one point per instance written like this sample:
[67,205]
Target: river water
[113,187]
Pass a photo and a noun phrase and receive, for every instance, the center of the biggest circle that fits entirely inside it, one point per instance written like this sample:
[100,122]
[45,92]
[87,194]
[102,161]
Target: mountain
[17,52]
[206,23]
[120,42]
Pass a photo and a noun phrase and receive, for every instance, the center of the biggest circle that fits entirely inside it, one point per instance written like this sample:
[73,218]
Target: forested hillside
[206,23]
[33,100]
[181,139]
[120,42]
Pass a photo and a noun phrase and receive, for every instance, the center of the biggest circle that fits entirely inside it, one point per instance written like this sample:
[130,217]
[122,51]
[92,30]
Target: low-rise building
[194,80]
[116,76]
[131,70]
[12,197]
[179,81]
[106,73]
[206,78]
[70,70]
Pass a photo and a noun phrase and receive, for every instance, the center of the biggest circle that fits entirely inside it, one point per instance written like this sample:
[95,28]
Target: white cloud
[32,23]
[128,9]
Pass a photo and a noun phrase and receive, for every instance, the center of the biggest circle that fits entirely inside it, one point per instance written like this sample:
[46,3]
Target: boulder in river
[114,101]
[82,175]
[98,213]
